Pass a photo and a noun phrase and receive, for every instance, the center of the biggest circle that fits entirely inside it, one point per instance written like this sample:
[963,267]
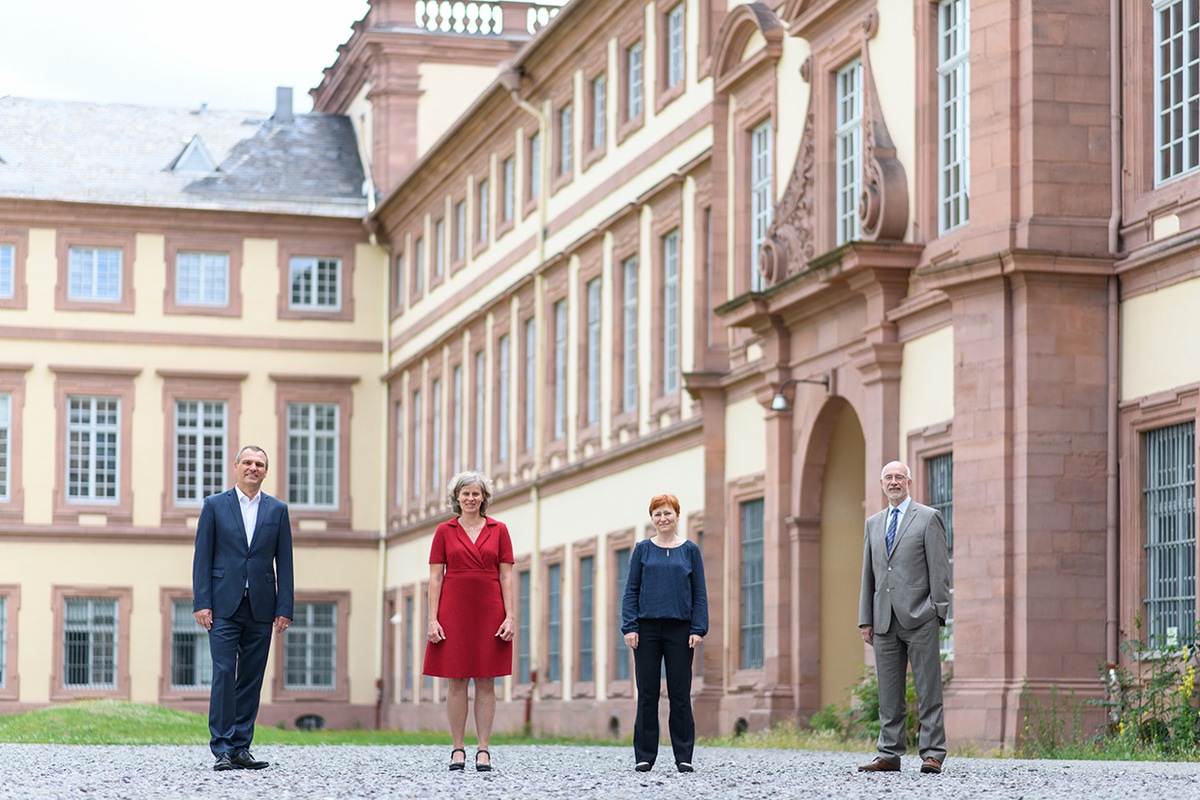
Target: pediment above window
[730,61]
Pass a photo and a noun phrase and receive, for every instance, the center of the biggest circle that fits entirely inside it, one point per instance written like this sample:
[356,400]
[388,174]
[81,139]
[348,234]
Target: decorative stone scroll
[789,242]
[883,204]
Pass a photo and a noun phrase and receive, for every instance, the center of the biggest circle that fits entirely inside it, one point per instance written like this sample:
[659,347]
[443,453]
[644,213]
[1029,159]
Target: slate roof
[127,155]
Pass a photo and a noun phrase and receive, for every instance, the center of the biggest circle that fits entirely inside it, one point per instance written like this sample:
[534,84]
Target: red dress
[471,607]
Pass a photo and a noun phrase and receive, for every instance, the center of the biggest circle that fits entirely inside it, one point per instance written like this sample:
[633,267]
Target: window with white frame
[1177,88]
[398,279]
[191,661]
[940,470]
[587,619]
[419,265]
[480,396]
[310,647]
[201,438]
[675,49]
[524,618]
[435,436]
[312,457]
[94,274]
[530,382]
[8,269]
[400,439]
[1169,492]
[560,369]
[535,165]
[637,92]
[554,622]
[90,643]
[566,121]
[954,117]
[629,335]
[508,204]
[599,104]
[456,412]
[593,352]
[416,457]
[6,425]
[848,137]
[751,623]
[460,230]
[201,279]
[671,308]
[93,449]
[316,283]
[406,682]
[762,197]
[482,211]
[620,576]
[504,386]
[439,249]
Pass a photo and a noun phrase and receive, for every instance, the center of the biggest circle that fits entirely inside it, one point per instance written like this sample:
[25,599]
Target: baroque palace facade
[741,252]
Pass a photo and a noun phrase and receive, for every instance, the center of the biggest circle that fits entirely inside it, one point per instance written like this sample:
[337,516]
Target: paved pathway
[50,772]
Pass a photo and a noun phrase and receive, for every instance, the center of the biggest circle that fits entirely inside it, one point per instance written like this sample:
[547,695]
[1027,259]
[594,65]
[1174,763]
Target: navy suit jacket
[223,565]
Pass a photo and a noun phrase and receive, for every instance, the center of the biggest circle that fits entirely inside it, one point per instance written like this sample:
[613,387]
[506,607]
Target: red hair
[664,500]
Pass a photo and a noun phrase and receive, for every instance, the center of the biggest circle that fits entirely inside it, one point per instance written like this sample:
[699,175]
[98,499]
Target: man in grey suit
[905,600]
[242,588]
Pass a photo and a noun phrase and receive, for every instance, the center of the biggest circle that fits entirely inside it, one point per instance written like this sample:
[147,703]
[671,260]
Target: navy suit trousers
[239,646]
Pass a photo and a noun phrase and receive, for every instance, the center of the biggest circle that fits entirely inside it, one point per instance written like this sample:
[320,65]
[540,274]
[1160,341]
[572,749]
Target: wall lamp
[780,403]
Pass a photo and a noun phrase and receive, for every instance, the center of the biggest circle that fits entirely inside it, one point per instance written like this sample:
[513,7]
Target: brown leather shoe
[932,766]
[880,764]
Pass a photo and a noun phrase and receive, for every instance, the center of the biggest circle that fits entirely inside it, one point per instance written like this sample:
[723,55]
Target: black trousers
[662,640]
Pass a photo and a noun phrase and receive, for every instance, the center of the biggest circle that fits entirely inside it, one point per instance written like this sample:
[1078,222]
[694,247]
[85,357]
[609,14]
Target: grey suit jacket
[914,583]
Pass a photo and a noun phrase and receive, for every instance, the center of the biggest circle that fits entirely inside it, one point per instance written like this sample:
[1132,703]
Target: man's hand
[281,624]
[868,634]
[204,618]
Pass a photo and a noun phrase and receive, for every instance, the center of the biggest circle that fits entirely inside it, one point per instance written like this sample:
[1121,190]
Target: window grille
[587,611]
[523,643]
[621,655]
[752,513]
[554,623]
[1170,496]
[310,649]
[191,659]
[940,470]
[90,643]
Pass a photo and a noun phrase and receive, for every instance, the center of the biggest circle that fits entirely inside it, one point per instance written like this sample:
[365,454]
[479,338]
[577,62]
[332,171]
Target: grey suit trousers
[894,651]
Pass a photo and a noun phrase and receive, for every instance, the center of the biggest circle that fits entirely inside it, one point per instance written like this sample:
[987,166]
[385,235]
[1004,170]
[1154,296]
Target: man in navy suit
[242,585]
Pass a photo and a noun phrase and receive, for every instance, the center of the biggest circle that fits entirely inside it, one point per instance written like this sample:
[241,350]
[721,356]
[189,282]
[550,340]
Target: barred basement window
[90,643]
[1170,493]
[752,585]
[191,660]
[941,497]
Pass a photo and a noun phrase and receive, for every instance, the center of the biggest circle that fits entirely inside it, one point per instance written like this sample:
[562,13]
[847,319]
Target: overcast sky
[230,54]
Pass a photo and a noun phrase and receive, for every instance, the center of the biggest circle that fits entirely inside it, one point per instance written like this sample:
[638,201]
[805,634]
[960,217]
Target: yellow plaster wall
[926,383]
[1159,335]
[745,439]
[447,90]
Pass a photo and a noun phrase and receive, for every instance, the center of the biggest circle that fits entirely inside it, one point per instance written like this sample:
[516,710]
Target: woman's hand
[436,634]
[631,640]
[505,632]
[694,640]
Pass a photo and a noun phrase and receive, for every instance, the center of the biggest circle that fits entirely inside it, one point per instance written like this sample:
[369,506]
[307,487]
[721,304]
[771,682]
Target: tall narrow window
[94,274]
[419,265]
[504,387]
[560,369]
[566,121]
[762,197]
[201,279]
[406,682]
[191,663]
[621,575]
[508,205]
[456,415]
[398,278]
[201,439]
[401,439]
[90,643]
[435,436]
[93,449]
[460,230]
[954,113]
[587,619]
[316,283]
[480,395]
[675,49]
[554,622]
[671,308]
[599,123]
[523,621]
[439,249]
[941,496]
[310,648]
[418,452]
[849,150]
[1170,496]
[482,211]
[637,96]
[312,458]
[629,335]
[751,628]
[6,426]
[530,382]
[1177,93]
[593,352]
[7,271]
[3,641]
[535,165]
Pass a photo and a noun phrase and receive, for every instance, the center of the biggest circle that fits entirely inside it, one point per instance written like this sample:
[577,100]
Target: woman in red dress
[470,611]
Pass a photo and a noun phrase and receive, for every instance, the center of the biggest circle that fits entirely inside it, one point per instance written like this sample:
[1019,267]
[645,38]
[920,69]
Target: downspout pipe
[1112,499]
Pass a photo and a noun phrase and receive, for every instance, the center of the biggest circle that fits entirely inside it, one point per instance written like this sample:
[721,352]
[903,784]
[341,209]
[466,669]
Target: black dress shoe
[223,763]
[684,766]
[644,766]
[243,760]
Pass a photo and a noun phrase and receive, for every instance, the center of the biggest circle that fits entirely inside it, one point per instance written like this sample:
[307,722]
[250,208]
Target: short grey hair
[470,477]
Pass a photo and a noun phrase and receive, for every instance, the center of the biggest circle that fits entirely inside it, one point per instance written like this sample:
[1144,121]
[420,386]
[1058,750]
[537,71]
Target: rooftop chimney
[283,105]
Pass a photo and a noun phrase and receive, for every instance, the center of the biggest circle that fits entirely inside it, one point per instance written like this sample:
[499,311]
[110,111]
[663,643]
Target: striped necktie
[891,529]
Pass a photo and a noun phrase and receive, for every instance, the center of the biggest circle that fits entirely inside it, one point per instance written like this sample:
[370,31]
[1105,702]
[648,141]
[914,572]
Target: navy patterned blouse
[665,583]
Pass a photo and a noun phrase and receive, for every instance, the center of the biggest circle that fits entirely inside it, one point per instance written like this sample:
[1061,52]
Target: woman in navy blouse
[664,615]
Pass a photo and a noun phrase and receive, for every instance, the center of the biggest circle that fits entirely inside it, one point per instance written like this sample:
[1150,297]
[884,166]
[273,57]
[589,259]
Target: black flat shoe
[458,766]
[685,767]
[482,767]
[644,766]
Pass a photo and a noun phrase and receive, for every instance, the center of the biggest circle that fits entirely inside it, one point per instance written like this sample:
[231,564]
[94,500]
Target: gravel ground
[37,772]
